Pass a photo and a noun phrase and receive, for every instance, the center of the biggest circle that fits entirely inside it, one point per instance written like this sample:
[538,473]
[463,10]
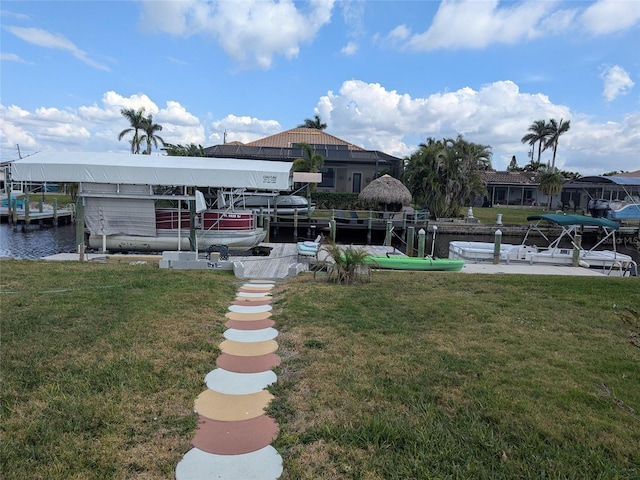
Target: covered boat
[156,203]
[401,262]
[554,253]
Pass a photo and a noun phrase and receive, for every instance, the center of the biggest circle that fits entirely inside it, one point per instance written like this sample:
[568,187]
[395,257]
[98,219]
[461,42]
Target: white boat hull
[168,240]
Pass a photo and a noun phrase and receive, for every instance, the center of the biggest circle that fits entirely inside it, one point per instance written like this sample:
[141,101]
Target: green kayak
[399,262]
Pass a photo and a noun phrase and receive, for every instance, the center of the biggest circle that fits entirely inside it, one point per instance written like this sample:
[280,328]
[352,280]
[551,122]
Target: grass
[510,215]
[410,376]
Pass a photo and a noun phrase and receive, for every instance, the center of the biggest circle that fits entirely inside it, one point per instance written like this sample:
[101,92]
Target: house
[512,188]
[347,167]
[621,187]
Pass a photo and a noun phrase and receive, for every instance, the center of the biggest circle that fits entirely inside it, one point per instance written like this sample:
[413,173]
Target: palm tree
[539,134]
[179,150]
[315,123]
[309,162]
[136,120]
[556,129]
[150,136]
[550,183]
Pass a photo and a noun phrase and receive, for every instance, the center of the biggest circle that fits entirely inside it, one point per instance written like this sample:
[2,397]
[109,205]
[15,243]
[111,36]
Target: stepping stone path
[233,437]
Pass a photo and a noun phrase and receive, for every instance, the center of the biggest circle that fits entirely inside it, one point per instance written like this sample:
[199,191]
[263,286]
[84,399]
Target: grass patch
[101,364]
[410,376]
[510,215]
[459,376]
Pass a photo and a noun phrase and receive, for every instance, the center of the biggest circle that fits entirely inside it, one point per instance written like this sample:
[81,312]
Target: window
[328,177]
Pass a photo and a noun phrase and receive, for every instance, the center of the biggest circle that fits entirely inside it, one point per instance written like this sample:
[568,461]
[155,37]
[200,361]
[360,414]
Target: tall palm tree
[539,132]
[556,129]
[149,128]
[315,123]
[309,162]
[136,120]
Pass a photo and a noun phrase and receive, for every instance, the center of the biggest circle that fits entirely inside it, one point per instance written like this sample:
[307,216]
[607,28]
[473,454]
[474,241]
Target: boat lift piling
[421,242]
[411,233]
[496,247]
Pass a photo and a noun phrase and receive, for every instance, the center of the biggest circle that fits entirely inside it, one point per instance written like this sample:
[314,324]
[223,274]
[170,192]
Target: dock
[23,217]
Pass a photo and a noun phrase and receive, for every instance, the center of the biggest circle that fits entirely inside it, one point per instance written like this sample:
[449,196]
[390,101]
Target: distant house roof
[284,146]
[510,178]
[630,178]
[311,136]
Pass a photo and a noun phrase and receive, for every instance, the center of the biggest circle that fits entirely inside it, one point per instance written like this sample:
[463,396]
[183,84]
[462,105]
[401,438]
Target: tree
[149,128]
[191,150]
[555,130]
[309,162]
[539,133]
[513,165]
[550,183]
[136,120]
[315,123]
[445,175]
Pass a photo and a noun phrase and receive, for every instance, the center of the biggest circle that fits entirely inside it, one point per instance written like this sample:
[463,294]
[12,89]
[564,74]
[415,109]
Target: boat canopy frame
[573,225]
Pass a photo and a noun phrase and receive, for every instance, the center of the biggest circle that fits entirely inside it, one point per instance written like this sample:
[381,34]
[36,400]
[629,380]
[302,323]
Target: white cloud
[616,82]
[92,127]
[252,32]
[12,57]
[497,114]
[42,38]
[608,16]
[349,49]
[476,24]
[242,129]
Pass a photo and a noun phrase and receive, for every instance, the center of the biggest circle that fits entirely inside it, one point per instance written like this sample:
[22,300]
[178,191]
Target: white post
[499,221]
[433,239]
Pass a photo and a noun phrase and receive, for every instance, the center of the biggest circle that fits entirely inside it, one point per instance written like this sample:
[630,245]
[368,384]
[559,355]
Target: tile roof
[311,136]
[512,178]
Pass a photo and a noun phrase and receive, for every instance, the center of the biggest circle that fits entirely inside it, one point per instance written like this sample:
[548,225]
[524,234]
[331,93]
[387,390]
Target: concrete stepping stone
[250,335]
[233,438]
[260,363]
[247,317]
[250,325]
[244,309]
[259,282]
[231,408]
[248,349]
[251,302]
[234,383]
[253,294]
[255,289]
[263,464]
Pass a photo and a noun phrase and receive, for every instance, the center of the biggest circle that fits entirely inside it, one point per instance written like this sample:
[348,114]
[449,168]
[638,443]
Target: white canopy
[123,168]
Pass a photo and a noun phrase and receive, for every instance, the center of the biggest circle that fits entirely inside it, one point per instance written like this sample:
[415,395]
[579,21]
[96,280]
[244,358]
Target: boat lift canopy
[570,227]
[123,168]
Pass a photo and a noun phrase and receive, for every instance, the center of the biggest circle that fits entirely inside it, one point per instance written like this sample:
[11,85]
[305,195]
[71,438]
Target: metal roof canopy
[602,179]
[121,168]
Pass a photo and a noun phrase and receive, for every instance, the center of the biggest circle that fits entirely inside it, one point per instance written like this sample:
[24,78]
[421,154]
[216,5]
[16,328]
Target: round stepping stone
[263,464]
[234,383]
[260,363]
[247,317]
[255,289]
[248,325]
[250,335]
[231,408]
[256,309]
[248,349]
[251,302]
[253,294]
[234,438]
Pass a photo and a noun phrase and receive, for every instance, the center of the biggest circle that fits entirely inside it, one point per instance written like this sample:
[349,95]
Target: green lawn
[413,375]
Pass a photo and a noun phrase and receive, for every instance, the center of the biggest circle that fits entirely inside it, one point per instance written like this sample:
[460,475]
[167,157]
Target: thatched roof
[387,190]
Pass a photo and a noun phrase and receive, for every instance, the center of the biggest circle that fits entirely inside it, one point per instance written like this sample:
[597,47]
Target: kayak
[399,262]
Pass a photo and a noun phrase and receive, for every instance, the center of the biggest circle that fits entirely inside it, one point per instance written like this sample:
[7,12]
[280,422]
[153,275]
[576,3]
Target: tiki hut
[386,193]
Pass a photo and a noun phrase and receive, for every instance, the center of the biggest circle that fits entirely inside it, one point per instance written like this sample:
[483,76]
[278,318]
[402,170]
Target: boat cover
[124,168]
[581,220]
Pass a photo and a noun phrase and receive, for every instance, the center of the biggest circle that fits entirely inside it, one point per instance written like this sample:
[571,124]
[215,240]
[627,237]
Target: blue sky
[385,75]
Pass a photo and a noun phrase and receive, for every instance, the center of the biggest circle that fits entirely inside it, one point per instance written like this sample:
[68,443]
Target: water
[35,241]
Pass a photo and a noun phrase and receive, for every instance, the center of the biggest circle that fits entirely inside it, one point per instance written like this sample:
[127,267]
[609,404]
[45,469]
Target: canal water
[38,242]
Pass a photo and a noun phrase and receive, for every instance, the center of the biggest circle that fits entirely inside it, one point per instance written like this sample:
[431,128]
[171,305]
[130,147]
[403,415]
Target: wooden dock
[24,217]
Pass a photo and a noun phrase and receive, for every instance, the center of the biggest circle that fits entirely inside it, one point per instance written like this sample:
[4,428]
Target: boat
[139,203]
[401,262]
[627,210]
[286,205]
[553,253]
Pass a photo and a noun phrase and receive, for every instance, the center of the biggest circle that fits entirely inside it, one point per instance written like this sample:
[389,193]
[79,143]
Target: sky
[384,75]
